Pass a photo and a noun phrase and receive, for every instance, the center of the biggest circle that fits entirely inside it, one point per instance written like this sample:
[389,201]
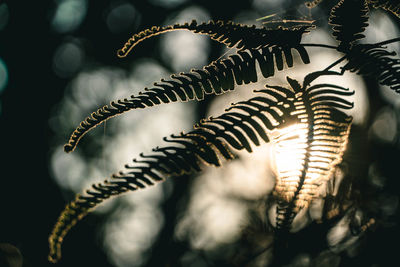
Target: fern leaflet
[389,5]
[373,60]
[218,77]
[349,19]
[228,33]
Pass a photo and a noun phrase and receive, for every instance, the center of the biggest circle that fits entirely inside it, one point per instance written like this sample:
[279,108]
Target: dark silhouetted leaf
[349,19]
[389,5]
[375,61]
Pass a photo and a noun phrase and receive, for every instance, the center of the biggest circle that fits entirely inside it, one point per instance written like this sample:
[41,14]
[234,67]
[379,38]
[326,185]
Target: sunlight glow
[302,163]
[69,15]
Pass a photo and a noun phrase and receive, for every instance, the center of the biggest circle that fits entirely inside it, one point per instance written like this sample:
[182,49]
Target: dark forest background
[31,200]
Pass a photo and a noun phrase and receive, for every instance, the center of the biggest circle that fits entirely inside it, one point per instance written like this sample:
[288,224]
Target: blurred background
[58,63]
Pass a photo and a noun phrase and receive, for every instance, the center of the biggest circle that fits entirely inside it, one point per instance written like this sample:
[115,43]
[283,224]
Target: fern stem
[388,41]
[344,57]
[335,47]
[330,47]
[321,45]
[335,63]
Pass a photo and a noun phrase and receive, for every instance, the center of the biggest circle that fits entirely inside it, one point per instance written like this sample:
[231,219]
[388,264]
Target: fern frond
[210,142]
[320,132]
[217,78]
[228,33]
[308,150]
[305,121]
[375,61]
[389,5]
[349,19]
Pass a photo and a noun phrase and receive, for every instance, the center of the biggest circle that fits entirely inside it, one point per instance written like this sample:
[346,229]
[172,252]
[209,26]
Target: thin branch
[335,47]
[321,45]
[335,63]
[389,41]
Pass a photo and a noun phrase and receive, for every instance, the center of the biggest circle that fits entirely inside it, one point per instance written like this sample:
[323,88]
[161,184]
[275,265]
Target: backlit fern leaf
[229,33]
[308,150]
[375,61]
[218,77]
[349,19]
[389,5]
[305,123]
[211,141]
[307,115]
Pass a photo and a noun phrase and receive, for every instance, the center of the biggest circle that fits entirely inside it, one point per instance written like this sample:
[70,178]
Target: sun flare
[304,159]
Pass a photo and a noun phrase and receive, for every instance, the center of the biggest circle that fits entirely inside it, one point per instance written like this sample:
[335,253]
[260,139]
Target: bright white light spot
[318,36]
[185,50]
[130,232]
[315,209]
[69,15]
[94,88]
[250,177]
[339,237]
[216,214]
[384,127]
[144,72]
[68,169]
[67,59]
[381,27]
[337,233]
[300,220]
[122,17]
[287,152]
[212,220]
